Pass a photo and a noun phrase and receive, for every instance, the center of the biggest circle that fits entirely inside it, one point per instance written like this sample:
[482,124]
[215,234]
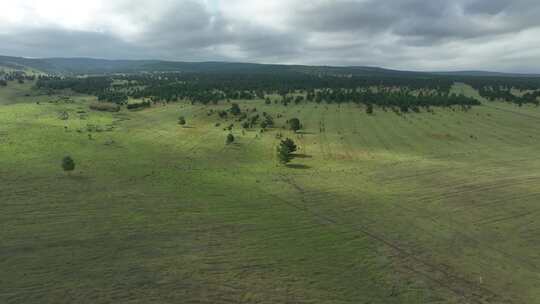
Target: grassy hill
[423,208]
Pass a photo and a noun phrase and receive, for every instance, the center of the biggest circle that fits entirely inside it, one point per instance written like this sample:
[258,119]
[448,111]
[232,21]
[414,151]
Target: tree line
[408,93]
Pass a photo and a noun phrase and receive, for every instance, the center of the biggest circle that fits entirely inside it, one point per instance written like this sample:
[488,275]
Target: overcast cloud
[498,35]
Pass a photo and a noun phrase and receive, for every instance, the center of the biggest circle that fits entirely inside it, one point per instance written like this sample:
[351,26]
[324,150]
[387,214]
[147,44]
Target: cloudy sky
[502,35]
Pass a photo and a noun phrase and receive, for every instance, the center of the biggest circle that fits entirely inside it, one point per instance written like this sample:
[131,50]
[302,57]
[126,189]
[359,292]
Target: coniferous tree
[230,139]
[68,164]
[294,124]
[181,120]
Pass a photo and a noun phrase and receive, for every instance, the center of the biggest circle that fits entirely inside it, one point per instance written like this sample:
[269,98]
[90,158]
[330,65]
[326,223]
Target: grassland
[424,208]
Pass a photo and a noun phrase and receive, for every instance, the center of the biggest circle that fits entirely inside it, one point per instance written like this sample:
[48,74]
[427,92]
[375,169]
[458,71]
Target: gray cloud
[408,34]
[52,42]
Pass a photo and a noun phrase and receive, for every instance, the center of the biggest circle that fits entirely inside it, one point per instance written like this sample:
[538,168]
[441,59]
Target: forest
[405,92]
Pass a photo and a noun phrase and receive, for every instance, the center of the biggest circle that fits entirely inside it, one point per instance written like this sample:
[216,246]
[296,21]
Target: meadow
[421,208]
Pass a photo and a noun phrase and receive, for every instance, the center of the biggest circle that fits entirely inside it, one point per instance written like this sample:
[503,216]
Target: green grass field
[424,208]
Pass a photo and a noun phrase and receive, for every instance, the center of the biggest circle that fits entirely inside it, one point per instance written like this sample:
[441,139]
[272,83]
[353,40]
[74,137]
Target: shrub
[230,139]
[68,164]
[294,124]
[181,120]
[235,109]
[284,153]
[290,144]
[369,109]
[222,114]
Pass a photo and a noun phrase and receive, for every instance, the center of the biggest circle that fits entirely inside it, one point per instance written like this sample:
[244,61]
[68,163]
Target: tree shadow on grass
[75,176]
[301,155]
[304,132]
[298,166]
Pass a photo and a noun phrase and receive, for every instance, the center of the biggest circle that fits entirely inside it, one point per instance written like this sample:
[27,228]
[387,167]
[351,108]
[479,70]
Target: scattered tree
[284,153]
[290,144]
[294,124]
[268,121]
[369,109]
[230,139]
[181,121]
[68,164]
[235,109]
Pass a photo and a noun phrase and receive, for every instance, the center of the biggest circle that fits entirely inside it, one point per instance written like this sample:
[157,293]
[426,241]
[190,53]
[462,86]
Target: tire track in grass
[305,143]
[459,131]
[498,219]
[484,169]
[460,286]
[400,133]
[458,190]
[373,128]
[325,151]
[506,254]
[498,131]
[344,138]
[496,202]
[451,225]
[512,112]
[307,209]
[357,132]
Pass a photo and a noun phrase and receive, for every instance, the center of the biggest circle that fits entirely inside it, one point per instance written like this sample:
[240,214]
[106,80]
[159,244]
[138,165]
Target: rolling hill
[78,66]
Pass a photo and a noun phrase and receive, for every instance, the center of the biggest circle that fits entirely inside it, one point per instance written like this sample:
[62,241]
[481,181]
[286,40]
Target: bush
[230,139]
[290,144]
[268,121]
[105,106]
[369,109]
[222,114]
[68,164]
[181,120]
[294,124]
[235,109]
[284,153]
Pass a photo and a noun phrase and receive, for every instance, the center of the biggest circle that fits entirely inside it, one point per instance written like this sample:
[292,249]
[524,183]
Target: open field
[422,208]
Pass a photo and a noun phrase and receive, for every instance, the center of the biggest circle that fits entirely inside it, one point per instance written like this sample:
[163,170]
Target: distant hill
[80,66]
[484,74]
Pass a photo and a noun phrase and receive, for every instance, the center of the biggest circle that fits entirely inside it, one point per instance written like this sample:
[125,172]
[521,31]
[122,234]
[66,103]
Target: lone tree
[294,124]
[181,120]
[290,144]
[284,152]
[230,139]
[235,109]
[369,109]
[68,164]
